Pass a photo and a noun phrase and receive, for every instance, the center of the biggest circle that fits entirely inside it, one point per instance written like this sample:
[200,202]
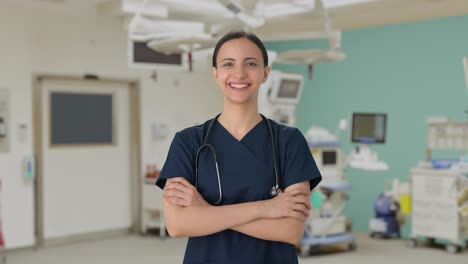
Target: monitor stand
[363,157]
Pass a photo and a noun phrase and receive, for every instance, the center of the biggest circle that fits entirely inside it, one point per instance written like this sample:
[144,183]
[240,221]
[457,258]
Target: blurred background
[93,91]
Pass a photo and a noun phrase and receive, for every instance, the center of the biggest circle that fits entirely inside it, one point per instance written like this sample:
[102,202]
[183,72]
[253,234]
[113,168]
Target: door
[84,156]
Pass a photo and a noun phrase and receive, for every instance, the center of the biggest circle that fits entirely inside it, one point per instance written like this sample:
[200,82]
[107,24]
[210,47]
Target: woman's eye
[228,64]
[252,64]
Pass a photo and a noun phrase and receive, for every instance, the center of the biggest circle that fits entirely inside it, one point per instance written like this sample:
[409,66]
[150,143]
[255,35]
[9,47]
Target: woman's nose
[241,71]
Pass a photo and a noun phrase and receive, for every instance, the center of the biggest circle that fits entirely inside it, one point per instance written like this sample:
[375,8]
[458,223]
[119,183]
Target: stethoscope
[275,190]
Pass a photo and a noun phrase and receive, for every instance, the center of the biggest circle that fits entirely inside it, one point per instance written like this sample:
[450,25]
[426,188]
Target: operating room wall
[411,71]
[50,43]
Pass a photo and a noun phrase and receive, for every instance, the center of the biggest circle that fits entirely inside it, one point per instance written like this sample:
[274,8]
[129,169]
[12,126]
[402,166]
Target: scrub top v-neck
[247,174]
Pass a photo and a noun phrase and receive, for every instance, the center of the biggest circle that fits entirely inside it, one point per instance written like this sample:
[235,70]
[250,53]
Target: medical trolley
[439,189]
[326,224]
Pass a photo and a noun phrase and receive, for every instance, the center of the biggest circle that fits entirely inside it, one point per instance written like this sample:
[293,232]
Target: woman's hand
[179,191]
[292,203]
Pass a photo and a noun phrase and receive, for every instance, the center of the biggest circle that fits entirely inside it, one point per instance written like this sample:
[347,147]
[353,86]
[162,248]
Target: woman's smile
[239,86]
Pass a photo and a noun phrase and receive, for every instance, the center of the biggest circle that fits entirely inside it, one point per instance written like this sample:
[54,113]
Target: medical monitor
[329,157]
[286,88]
[369,128]
[140,56]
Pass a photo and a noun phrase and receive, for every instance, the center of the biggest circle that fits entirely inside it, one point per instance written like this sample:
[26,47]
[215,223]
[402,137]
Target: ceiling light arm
[133,23]
[249,20]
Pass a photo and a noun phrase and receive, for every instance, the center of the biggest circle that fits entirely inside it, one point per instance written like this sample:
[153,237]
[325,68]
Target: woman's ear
[214,71]
[266,72]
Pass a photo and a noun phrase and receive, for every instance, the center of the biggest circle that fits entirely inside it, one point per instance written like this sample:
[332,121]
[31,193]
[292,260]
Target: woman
[237,161]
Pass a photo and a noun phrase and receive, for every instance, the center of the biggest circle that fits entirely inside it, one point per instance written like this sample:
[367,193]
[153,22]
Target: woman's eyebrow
[228,59]
[245,59]
[250,58]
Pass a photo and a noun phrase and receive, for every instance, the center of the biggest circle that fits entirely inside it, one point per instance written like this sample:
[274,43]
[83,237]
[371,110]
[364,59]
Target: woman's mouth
[239,85]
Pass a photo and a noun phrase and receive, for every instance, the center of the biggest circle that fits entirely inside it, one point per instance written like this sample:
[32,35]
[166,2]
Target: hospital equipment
[327,153]
[275,190]
[436,209]
[385,224]
[153,211]
[440,195]
[312,56]
[279,96]
[367,128]
[327,225]
[446,134]
[164,43]
[390,208]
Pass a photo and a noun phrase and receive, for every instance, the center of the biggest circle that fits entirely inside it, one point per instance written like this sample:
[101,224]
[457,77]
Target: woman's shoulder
[284,131]
[195,132]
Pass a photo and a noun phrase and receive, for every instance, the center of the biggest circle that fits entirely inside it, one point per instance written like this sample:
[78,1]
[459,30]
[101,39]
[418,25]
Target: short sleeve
[300,166]
[179,162]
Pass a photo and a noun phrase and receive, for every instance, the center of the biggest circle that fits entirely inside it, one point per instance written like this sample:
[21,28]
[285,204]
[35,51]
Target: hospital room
[138,131]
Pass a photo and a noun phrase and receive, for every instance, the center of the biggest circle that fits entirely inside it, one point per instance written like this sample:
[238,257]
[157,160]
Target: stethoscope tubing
[217,169]
[275,190]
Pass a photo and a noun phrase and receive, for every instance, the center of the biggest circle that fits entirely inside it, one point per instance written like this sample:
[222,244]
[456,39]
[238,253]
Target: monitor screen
[329,157]
[289,88]
[284,88]
[140,56]
[368,128]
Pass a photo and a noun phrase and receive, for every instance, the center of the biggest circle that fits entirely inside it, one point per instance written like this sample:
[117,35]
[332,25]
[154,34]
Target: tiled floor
[152,250]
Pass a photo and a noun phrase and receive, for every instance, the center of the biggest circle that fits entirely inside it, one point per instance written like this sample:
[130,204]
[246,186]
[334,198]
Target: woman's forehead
[240,47]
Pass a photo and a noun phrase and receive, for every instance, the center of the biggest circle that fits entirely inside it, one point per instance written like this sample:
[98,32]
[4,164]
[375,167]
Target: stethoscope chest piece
[275,191]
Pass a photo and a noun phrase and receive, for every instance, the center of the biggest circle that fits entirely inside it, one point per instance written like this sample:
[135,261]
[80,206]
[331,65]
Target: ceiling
[376,13]
[360,15]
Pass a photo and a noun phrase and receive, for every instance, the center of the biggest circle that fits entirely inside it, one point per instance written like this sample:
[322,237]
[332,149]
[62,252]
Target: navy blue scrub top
[247,174]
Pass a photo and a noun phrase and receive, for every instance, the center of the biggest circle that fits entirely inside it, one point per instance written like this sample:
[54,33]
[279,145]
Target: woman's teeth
[239,86]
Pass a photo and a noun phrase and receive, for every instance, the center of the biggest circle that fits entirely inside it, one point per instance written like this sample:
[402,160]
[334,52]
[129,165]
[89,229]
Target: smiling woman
[240,72]
[223,180]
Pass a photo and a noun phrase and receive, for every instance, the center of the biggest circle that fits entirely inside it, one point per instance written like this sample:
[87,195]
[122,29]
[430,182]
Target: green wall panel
[411,71]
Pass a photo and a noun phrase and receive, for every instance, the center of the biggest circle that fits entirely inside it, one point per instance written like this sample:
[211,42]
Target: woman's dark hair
[236,35]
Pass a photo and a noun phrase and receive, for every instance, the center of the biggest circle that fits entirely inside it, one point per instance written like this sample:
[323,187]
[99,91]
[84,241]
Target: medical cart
[326,224]
[153,212]
[439,193]
[436,212]
[327,228]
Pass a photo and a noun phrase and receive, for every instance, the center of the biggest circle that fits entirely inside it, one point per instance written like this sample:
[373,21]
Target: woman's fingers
[301,208]
[287,205]
[179,191]
[174,193]
[180,188]
[176,201]
[299,191]
[174,185]
[182,181]
[302,199]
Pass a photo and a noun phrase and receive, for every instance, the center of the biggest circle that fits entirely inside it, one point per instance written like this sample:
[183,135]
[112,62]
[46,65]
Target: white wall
[57,44]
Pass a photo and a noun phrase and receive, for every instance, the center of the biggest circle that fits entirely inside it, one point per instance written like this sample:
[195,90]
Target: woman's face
[240,70]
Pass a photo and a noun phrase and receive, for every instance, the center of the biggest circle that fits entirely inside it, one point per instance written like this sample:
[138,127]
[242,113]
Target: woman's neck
[239,120]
